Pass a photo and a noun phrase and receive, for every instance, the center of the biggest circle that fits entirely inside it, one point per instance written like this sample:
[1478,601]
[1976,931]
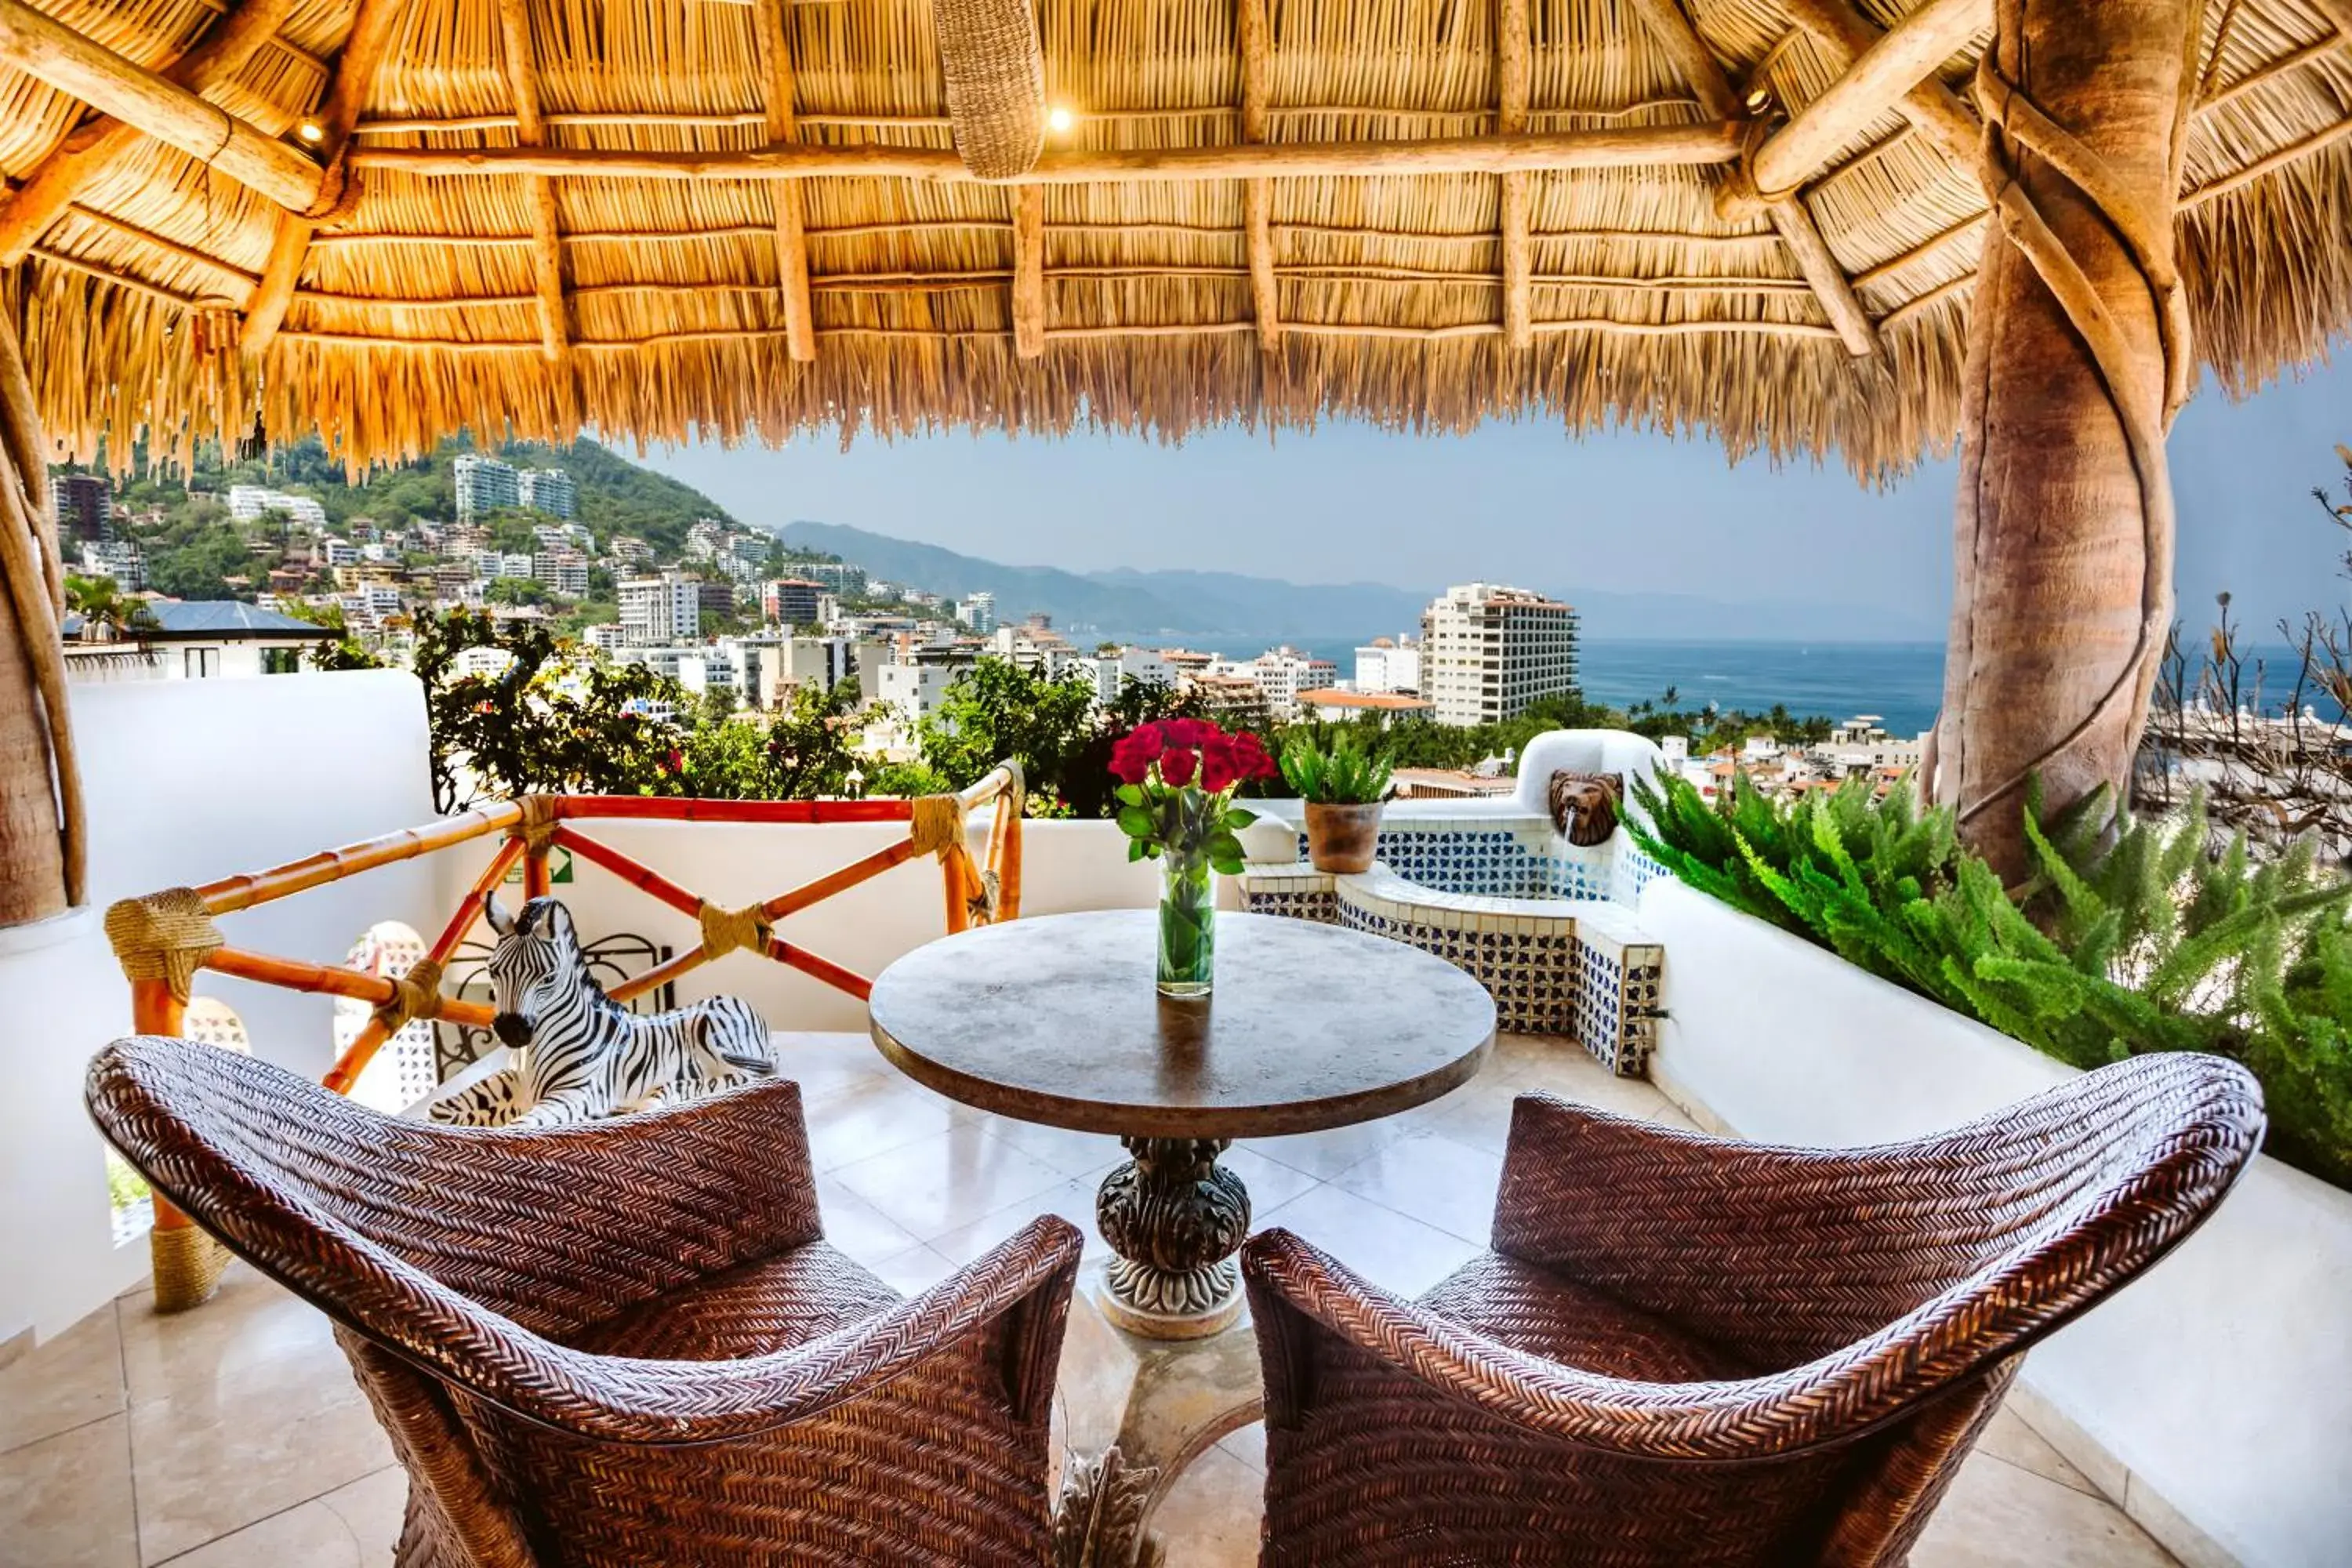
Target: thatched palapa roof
[559,213]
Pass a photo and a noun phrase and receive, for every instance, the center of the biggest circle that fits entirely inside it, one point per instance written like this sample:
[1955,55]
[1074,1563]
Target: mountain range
[1239,610]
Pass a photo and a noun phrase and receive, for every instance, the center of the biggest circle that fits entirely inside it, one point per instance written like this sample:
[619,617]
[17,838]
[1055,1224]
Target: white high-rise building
[484,485]
[657,610]
[550,490]
[979,611]
[1385,665]
[248,502]
[1488,652]
[1284,673]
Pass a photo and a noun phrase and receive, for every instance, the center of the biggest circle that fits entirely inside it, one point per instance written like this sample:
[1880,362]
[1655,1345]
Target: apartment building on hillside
[1488,651]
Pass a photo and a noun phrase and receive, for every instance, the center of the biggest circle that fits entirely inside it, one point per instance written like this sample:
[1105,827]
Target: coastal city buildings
[1389,664]
[658,610]
[977,611]
[86,508]
[792,602]
[550,490]
[484,485]
[250,503]
[1488,651]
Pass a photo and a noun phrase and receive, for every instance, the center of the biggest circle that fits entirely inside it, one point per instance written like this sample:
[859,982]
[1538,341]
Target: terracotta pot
[1342,837]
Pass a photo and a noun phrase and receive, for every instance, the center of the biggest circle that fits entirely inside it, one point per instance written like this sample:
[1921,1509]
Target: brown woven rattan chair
[623,1343]
[1686,1349]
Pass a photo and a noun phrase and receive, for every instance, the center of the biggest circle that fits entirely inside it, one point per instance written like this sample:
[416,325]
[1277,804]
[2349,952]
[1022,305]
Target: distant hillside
[1209,606]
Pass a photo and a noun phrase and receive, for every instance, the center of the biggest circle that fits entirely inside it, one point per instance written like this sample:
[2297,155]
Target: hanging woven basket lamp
[996,84]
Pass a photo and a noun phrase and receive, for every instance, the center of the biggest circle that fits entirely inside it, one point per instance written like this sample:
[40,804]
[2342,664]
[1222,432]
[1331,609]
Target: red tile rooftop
[1392,701]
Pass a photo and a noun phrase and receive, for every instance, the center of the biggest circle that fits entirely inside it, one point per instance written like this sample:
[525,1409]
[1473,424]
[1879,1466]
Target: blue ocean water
[1902,683]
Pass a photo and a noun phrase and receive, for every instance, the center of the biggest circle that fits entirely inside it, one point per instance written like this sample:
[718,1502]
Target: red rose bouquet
[1176,783]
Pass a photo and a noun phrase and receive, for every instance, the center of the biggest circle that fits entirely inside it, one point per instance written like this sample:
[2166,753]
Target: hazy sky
[1521,502]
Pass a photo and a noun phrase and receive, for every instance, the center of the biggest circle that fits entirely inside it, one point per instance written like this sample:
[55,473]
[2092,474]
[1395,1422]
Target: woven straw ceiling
[420,304]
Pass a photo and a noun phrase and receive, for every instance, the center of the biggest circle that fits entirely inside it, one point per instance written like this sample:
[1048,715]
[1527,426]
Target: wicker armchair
[622,1343]
[1687,1349]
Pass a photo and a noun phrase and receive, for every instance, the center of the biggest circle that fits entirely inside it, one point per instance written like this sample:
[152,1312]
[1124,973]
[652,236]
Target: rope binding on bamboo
[536,827]
[415,994]
[163,936]
[936,824]
[187,1264]
[724,931]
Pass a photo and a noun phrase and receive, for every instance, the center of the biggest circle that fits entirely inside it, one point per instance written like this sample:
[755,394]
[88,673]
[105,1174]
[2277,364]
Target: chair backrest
[475,1275]
[1881,1299]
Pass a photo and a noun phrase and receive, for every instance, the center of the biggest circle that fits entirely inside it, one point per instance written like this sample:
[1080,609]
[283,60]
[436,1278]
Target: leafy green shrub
[1347,775]
[2130,937]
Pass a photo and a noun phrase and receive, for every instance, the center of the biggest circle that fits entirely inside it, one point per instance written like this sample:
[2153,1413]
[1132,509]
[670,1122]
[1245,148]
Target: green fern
[2130,936]
[1347,775]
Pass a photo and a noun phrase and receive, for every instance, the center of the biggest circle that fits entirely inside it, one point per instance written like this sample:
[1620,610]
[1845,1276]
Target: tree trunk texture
[2062,546]
[41,840]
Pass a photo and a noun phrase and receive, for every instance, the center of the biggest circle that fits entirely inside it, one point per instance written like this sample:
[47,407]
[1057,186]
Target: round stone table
[1056,1020]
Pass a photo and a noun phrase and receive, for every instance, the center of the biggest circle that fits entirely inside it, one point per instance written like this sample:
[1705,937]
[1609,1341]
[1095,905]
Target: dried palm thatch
[626,250]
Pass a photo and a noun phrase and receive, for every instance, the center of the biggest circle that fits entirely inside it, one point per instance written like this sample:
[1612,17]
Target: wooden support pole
[1029,271]
[32,42]
[2077,350]
[1673,32]
[347,92]
[546,233]
[1632,147]
[1935,110]
[1511,70]
[1880,79]
[97,146]
[773,25]
[1254,30]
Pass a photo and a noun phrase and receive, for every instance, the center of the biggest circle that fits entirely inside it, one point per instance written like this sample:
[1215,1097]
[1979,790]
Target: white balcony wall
[189,781]
[1067,866]
[2211,1399]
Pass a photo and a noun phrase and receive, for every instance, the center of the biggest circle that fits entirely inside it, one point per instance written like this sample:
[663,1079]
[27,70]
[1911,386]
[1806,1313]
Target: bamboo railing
[163,939]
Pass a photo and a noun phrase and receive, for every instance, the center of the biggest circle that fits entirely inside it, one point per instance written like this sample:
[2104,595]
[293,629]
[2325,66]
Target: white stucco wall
[2212,1397]
[188,781]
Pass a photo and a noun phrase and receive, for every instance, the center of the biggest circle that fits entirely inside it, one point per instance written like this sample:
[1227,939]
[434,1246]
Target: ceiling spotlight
[310,133]
[1760,99]
[1059,119]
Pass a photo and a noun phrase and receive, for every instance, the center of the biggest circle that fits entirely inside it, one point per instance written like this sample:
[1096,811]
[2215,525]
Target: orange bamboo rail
[963,885]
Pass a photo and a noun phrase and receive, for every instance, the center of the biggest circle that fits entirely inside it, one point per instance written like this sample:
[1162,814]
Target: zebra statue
[575,1052]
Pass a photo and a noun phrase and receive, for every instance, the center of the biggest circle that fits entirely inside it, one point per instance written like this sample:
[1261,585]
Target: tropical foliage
[2131,936]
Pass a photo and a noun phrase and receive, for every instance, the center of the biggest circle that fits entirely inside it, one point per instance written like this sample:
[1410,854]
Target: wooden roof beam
[1673,32]
[52,52]
[1935,110]
[1647,146]
[775,41]
[1881,78]
[347,92]
[546,234]
[1511,71]
[94,147]
[1255,29]
[1029,271]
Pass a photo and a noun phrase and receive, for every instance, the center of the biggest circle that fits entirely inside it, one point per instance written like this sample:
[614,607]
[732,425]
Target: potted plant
[1343,789]
[1176,783]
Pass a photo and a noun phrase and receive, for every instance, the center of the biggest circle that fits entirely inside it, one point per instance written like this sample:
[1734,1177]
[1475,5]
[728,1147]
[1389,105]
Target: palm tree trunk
[2078,357]
[41,847]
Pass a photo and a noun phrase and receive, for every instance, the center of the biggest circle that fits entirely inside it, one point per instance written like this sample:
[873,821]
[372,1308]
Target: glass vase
[1188,924]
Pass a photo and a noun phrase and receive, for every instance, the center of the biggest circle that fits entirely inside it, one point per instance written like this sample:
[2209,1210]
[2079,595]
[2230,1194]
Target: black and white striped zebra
[575,1053]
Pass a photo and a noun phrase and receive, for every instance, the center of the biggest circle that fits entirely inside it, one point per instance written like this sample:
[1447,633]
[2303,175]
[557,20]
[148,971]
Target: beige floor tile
[357,1526]
[1998,1516]
[240,1409]
[1271,1184]
[1478,1117]
[826,1065]
[1397,1253]
[65,1502]
[1073,1199]
[872,1118]
[2010,1438]
[1325,1155]
[913,1271]
[1072,1153]
[856,1227]
[1247,1445]
[1431,1178]
[950,1178]
[1209,1518]
[74,1379]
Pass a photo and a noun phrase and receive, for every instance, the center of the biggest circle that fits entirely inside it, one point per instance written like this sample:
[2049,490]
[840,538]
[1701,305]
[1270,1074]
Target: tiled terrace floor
[233,1436]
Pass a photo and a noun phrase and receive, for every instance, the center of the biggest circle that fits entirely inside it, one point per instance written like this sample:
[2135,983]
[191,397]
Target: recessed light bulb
[1058,120]
[311,133]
